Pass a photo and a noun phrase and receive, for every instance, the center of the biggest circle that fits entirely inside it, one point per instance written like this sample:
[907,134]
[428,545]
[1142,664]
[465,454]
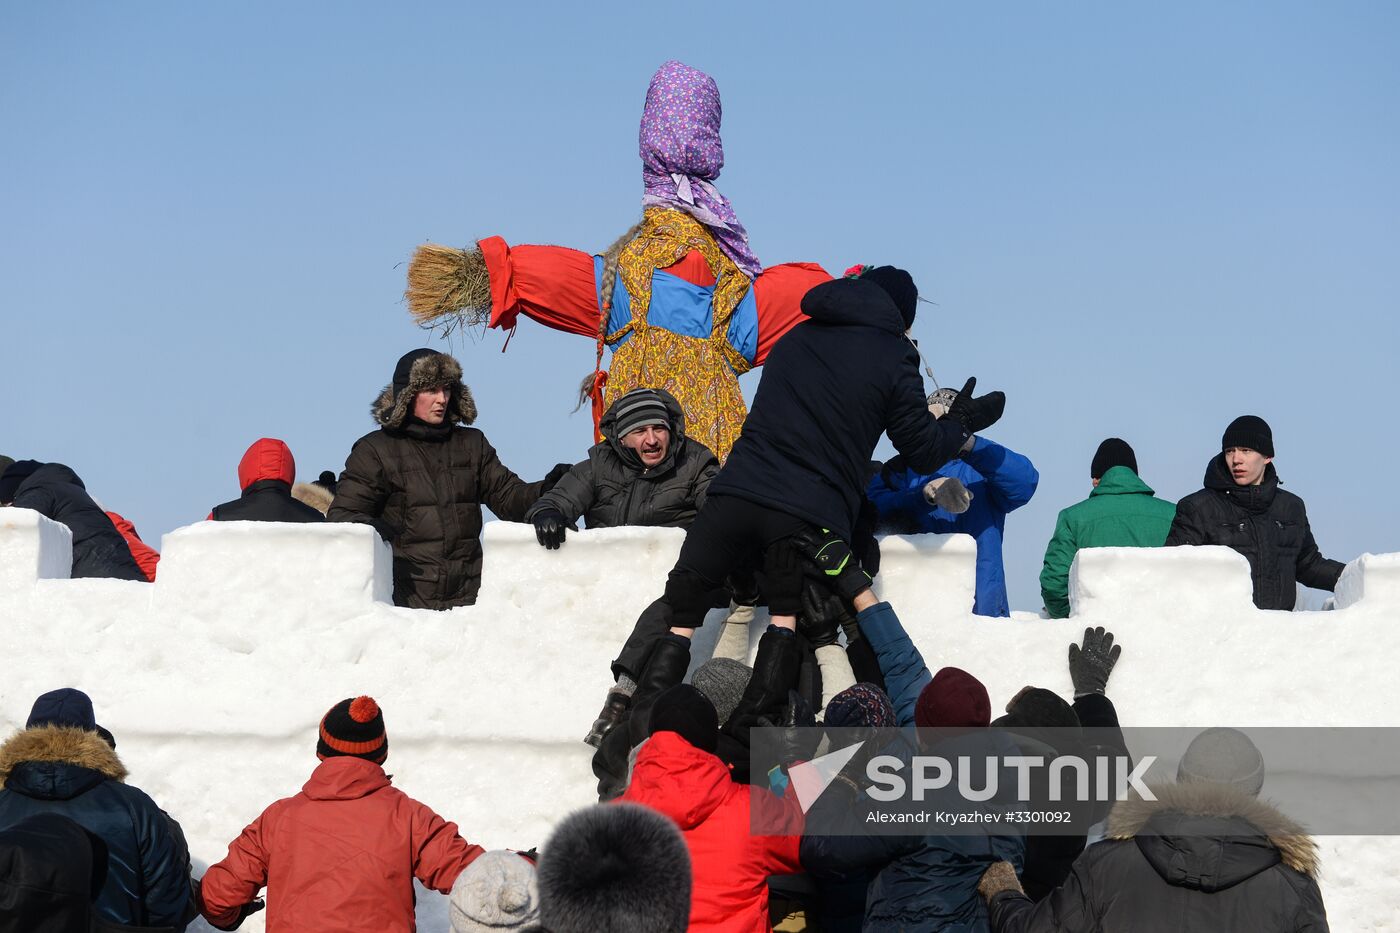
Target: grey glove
[1090,666]
[947,492]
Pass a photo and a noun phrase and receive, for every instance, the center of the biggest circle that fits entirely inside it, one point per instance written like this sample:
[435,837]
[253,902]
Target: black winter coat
[1266,524]
[99,550]
[612,488]
[1201,858]
[267,500]
[46,876]
[422,488]
[1050,859]
[53,769]
[831,386]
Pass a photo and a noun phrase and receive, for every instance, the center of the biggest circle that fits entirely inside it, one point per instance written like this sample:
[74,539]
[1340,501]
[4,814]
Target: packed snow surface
[214,678]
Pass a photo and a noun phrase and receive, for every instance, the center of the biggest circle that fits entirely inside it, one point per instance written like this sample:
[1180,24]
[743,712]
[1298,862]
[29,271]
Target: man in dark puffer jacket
[55,491]
[422,478]
[1243,508]
[64,763]
[266,474]
[46,876]
[644,472]
[1207,855]
[831,387]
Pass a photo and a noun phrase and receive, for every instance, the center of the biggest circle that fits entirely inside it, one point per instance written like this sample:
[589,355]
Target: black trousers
[729,534]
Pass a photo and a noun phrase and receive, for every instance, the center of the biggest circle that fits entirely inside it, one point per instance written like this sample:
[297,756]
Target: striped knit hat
[354,728]
[640,408]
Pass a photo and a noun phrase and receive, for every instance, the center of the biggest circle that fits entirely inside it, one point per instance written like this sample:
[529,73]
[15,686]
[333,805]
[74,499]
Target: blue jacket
[1000,481]
[74,773]
[919,882]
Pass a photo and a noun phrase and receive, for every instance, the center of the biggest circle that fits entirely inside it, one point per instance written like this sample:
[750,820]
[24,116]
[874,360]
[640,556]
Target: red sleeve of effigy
[554,285]
[778,292]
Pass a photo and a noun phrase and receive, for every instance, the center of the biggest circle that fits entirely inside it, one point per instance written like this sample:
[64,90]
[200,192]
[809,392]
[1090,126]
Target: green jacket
[1120,512]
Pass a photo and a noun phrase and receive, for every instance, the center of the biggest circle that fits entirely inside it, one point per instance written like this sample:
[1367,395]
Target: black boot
[613,712]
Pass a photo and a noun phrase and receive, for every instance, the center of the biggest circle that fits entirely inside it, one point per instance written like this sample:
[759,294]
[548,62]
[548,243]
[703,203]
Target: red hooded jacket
[267,458]
[730,866]
[339,856]
[146,556]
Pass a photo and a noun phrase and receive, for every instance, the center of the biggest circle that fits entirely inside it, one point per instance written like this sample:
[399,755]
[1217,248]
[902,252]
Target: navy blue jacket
[99,550]
[831,386]
[74,773]
[1000,481]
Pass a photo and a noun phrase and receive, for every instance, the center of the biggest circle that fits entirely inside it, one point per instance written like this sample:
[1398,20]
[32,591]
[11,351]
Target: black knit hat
[899,285]
[638,409]
[15,474]
[1249,431]
[1111,453]
[685,711]
[354,728]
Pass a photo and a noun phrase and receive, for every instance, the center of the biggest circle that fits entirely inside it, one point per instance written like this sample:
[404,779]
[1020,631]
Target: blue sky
[1136,219]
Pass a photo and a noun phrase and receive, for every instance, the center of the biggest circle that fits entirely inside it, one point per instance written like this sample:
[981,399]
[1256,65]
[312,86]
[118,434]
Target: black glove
[252,907]
[555,475]
[800,736]
[549,528]
[834,562]
[783,577]
[863,543]
[823,614]
[1090,666]
[976,414]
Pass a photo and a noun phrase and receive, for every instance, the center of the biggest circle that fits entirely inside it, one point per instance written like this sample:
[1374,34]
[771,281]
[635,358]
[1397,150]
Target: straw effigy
[448,287]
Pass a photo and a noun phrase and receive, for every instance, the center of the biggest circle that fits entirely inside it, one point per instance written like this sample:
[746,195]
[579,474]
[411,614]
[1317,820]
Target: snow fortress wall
[214,678]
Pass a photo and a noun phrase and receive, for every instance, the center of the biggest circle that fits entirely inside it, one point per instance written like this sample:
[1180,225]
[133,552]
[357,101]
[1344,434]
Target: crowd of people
[789,521]
[781,510]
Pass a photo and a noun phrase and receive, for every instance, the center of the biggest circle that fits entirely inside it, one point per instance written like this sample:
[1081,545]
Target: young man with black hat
[1242,507]
[342,854]
[1121,511]
[831,387]
[422,478]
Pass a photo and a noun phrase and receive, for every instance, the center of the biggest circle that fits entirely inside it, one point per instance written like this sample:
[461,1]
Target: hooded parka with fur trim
[1199,859]
[422,487]
[613,488]
[75,773]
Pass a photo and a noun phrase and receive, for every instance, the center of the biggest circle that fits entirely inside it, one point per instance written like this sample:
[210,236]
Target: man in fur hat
[63,762]
[1206,855]
[422,478]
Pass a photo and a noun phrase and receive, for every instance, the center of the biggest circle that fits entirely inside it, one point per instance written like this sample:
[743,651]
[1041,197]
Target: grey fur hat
[1223,756]
[497,891]
[616,867]
[416,371]
[722,680]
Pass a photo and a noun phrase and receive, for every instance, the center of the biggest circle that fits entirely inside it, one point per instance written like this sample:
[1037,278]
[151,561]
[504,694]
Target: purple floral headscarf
[682,153]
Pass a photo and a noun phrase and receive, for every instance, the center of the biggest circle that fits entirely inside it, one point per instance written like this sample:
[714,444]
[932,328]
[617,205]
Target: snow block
[287,570]
[1374,578]
[938,573]
[33,548]
[1105,583]
[214,678]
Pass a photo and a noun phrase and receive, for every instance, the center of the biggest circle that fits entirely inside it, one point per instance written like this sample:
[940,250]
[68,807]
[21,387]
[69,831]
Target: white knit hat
[497,891]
